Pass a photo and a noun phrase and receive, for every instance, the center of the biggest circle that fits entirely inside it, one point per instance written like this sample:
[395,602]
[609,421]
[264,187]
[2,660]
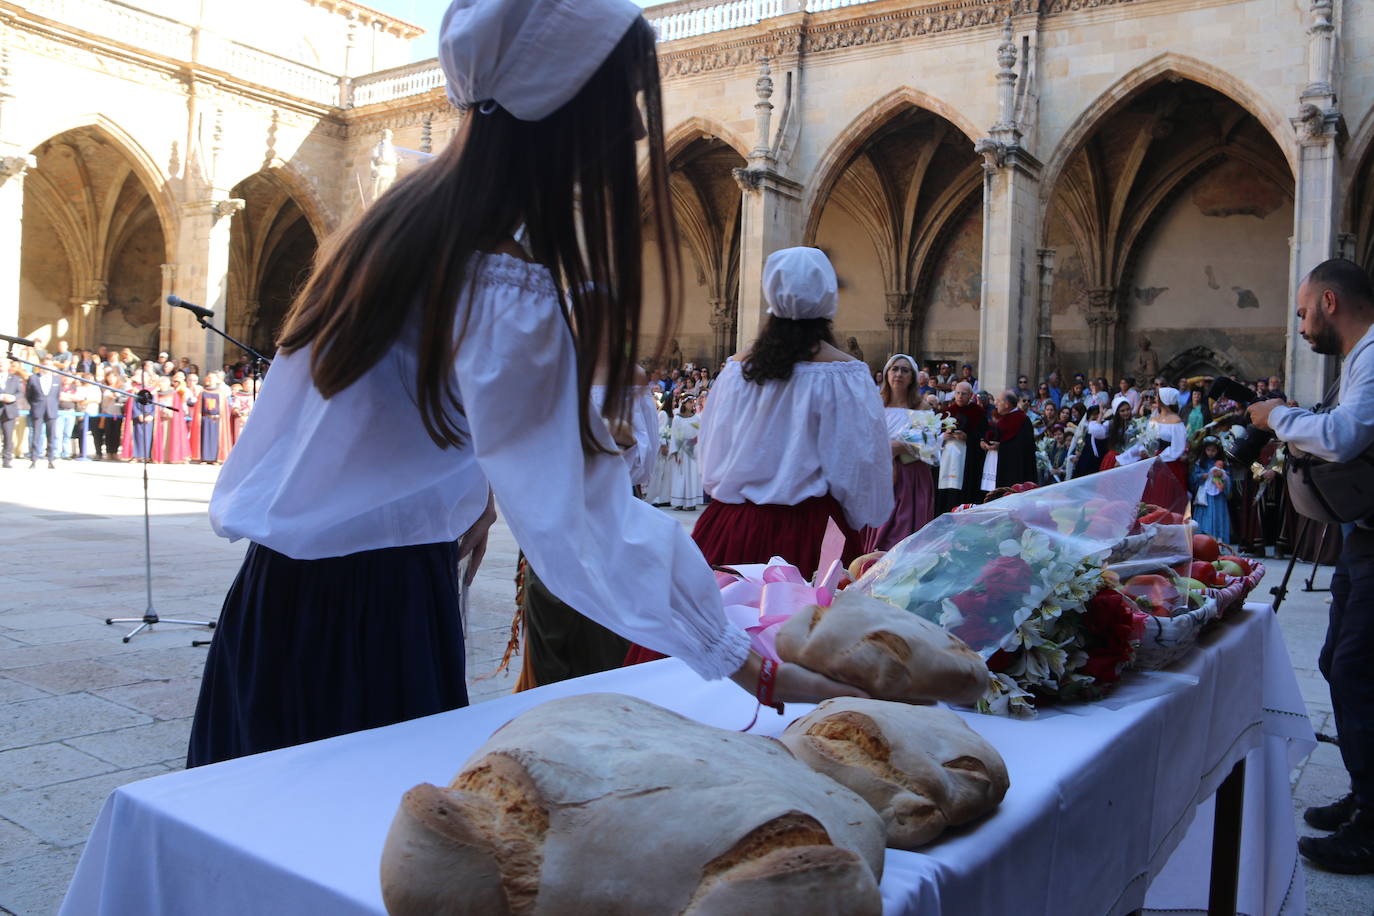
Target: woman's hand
[473,543]
[899,448]
[793,683]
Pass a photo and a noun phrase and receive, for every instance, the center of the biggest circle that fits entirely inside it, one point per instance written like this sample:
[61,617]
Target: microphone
[197,310]
[18,341]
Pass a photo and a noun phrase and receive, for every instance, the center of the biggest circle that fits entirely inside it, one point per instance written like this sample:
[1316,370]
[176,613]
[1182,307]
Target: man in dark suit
[11,390]
[42,392]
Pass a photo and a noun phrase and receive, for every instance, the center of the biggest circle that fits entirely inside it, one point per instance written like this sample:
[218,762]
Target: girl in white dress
[686,494]
[660,488]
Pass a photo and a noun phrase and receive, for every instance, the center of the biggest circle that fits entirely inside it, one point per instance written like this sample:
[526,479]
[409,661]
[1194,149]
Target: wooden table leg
[1230,806]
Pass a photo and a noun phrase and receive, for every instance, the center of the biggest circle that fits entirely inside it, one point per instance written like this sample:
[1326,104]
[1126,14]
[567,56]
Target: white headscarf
[915,369]
[528,56]
[1168,396]
[800,283]
[1118,401]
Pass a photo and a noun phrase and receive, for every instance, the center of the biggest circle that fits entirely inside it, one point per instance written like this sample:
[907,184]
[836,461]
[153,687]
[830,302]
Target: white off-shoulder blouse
[314,478]
[821,431]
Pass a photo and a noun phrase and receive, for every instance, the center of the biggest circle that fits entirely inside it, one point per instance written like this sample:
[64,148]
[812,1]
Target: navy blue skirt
[309,649]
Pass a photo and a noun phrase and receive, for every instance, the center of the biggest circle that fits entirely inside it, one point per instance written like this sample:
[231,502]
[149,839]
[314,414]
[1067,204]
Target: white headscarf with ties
[800,284]
[528,56]
[1168,396]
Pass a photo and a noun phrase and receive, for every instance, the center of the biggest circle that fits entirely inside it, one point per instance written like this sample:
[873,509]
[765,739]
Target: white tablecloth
[1101,795]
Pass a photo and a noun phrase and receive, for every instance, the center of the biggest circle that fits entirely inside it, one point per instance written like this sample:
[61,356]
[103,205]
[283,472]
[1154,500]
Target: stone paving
[82,713]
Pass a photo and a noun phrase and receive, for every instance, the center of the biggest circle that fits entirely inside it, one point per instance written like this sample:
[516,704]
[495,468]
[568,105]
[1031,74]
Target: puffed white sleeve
[614,558]
[856,454]
[1177,434]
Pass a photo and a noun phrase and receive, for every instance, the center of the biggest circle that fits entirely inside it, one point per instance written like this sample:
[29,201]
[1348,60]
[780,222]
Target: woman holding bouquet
[913,483]
[685,477]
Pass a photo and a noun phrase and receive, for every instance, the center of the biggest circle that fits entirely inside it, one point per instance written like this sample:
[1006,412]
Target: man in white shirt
[1336,308]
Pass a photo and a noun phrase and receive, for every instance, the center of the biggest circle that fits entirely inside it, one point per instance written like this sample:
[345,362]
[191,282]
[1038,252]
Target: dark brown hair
[571,179]
[782,344]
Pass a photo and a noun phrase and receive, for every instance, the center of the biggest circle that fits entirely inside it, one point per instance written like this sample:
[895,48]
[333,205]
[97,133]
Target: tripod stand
[144,397]
[1280,591]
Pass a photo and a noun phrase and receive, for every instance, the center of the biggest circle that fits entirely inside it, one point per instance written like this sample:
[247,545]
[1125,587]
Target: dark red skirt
[741,533]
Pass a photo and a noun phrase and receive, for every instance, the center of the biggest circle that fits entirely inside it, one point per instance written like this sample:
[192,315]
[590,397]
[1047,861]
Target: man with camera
[1336,309]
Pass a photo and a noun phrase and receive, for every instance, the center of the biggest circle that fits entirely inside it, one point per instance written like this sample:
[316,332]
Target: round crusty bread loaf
[890,653]
[607,804]
[921,767]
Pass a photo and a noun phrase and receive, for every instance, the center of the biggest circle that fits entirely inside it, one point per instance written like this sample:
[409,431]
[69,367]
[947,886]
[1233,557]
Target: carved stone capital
[16,166]
[1315,126]
[229,207]
[755,180]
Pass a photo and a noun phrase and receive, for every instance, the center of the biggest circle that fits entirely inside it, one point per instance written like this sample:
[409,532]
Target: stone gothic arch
[272,246]
[1357,221]
[706,207]
[906,180]
[1199,360]
[1161,155]
[97,229]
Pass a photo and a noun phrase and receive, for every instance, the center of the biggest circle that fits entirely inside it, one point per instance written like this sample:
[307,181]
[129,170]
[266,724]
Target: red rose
[992,601]
[1004,578]
[1111,628]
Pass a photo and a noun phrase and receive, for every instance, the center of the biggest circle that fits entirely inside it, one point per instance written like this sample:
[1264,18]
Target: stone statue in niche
[674,354]
[1146,361]
[854,350]
[385,162]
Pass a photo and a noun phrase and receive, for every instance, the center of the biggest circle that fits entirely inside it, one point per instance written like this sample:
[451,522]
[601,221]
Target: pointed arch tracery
[272,246]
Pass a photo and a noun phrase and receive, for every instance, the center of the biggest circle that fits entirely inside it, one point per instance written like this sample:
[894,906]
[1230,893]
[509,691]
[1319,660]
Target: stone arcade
[1026,185]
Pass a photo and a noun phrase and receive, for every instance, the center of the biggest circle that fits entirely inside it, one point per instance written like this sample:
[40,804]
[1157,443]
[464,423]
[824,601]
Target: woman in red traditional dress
[913,482]
[1167,437]
[170,445]
[795,434]
[210,422]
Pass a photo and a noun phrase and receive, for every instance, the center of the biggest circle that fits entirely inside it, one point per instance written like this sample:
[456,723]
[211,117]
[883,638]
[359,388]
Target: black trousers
[49,425]
[107,436]
[6,440]
[1347,660]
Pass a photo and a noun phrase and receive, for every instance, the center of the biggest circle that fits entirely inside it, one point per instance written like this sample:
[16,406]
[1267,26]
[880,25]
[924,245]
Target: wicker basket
[1233,596]
[1168,639]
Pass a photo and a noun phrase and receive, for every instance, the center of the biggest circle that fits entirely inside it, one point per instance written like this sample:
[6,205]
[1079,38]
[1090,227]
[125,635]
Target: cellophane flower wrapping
[924,436]
[1020,580]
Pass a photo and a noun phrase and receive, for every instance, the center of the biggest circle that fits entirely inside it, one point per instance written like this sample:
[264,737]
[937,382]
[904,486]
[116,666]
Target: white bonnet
[529,56]
[1118,401]
[800,283]
[1168,396]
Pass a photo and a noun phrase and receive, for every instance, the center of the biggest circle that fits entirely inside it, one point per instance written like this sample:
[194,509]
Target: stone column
[1011,176]
[164,326]
[12,169]
[770,213]
[1316,206]
[203,278]
[1044,331]
[87,310]
[722,322]
[1104,322]
[898,317]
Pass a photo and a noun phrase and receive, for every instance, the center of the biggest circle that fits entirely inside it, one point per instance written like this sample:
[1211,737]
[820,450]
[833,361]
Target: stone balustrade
[397,83]
[690,18]
[120,23]
[265,69]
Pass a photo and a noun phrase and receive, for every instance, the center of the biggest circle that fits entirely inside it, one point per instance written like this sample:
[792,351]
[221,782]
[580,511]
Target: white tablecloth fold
[1100,798]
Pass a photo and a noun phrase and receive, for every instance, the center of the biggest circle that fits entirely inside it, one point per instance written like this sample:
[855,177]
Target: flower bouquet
[923,436]
[1023,581]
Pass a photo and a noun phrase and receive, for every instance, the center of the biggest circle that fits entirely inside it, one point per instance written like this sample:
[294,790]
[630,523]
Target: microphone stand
[150,616]
[258,362]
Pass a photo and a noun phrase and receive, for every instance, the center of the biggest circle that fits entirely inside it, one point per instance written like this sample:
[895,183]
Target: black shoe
[1332,816]
[51,466]
[1348,851]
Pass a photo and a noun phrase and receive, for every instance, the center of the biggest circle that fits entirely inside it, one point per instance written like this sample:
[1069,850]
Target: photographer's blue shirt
[1347,431]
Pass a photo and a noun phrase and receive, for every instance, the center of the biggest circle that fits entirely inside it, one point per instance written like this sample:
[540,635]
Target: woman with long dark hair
[432,363]
[794,434]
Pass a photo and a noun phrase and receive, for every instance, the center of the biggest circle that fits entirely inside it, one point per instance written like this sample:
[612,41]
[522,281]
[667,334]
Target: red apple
[1205,548]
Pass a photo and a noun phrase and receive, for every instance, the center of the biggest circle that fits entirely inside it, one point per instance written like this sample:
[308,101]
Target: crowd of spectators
[53,406]
[1063,415]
